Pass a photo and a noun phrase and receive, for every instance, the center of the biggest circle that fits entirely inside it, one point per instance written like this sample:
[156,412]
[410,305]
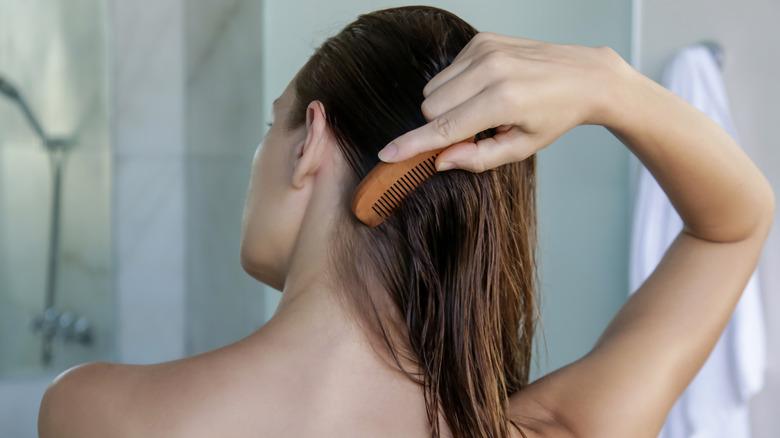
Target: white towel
[715,404]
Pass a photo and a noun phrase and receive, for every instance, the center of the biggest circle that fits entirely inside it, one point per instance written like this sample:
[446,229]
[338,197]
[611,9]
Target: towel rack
[716,49]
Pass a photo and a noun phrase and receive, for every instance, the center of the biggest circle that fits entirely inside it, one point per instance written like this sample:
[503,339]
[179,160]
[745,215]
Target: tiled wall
[187,105]
[223,105]
[147,58]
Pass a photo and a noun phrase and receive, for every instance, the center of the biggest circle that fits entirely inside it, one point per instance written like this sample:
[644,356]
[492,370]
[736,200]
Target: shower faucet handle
[66,326]
[82,330]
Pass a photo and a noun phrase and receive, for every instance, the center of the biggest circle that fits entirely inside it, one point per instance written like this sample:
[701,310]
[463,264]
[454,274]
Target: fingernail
[388,152]
[445,165]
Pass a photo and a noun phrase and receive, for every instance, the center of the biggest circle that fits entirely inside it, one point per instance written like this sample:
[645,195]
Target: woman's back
[257,387]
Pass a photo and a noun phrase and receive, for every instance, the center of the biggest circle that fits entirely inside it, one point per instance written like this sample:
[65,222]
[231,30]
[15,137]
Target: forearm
[664,333]
[719,193]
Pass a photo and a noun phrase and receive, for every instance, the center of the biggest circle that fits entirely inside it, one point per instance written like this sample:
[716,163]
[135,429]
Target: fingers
[466,84]
[463,121]
[505,147]
[457,107]
[480,45]
[449,72]
[460,63]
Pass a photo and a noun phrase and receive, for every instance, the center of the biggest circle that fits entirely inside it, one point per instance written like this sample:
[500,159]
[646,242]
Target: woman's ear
[311,152]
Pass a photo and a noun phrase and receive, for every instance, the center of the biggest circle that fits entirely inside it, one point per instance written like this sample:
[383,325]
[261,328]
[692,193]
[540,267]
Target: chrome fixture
[51,323]
[66,326]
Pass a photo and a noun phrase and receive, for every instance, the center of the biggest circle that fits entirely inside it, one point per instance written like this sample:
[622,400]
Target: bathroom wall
[187,104]
[747,31]
[583,177]
[223,128]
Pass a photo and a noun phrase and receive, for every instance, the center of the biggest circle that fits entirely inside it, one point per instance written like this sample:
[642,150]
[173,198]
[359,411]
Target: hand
[532,92]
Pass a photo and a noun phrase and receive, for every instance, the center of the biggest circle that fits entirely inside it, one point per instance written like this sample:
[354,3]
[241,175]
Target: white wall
[148,87]
[583,177]
[747,30]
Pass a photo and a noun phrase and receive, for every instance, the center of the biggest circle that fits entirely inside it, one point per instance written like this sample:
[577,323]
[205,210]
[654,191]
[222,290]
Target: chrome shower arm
[12,93]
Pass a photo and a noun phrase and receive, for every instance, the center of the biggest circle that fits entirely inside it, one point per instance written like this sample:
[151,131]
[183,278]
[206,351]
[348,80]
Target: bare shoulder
[87,400]
[195,396]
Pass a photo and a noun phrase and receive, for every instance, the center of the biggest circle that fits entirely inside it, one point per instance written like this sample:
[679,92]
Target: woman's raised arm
[534,92]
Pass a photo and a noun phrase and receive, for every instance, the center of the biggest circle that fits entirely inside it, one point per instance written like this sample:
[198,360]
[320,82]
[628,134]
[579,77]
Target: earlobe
[310,152]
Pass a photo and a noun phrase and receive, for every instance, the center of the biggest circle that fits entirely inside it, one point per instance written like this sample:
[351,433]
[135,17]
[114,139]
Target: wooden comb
[383,189]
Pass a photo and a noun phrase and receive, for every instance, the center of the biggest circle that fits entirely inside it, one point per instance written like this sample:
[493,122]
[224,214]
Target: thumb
[505,147]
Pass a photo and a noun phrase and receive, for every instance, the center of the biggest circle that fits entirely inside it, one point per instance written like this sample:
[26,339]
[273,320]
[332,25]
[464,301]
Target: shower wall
[54,53]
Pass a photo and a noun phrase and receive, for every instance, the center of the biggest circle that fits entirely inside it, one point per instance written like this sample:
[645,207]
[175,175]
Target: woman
[423,325]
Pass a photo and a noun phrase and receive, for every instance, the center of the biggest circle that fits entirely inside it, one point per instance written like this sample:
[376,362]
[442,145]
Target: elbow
[767,216]
[750,220]
[763,216]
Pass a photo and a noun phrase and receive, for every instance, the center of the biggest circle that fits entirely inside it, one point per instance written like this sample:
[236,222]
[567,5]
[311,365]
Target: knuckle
[504,92]
[492,36]
[478,166]
[427,110]
[427,90]
[480,37]
[608,57]
[443,127]
[607,51]
[495,60]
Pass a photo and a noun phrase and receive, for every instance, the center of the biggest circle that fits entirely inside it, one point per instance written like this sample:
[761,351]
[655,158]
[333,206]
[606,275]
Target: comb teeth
[383,189]
[392,197]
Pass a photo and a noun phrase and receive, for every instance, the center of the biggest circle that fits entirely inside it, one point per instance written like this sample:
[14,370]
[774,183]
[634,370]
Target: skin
[310,372]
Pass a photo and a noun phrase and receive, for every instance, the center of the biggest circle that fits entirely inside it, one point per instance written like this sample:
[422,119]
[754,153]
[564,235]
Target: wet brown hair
[448,282]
